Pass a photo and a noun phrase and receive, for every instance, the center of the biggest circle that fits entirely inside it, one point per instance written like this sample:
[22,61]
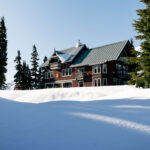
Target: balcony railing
[80,76]
[122,74]
[55,66]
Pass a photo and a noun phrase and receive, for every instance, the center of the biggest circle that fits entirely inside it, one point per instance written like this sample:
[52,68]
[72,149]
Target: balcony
[55,66]
[122,74]
[80,76]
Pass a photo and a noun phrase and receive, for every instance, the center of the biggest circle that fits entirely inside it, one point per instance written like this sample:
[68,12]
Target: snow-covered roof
[66,55]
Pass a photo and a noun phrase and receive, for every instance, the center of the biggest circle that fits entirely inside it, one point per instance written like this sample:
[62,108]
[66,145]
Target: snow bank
[77,94]
[119,119]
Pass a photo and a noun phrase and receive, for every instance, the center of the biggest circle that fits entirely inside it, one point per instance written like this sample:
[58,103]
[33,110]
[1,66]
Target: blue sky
[59,24]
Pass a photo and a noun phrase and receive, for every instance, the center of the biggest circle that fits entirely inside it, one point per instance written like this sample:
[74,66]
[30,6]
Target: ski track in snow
[132,106]
[115,121]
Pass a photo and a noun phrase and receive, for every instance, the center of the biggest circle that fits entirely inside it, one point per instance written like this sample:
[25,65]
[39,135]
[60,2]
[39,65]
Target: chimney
[78,44]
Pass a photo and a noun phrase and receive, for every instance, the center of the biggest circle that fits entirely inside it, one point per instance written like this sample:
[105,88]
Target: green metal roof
[100,55]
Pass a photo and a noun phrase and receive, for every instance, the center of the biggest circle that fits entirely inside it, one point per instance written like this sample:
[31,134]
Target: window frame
[80,82]
[97,68]
[103,66]
[49,75]
[103,81]
[97,81]
[66,72]
[82,68]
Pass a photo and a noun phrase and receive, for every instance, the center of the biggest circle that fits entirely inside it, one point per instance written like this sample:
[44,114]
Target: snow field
[107,118]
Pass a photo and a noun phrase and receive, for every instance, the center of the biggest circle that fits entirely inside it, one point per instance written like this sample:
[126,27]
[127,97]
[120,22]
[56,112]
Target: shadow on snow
[109,124]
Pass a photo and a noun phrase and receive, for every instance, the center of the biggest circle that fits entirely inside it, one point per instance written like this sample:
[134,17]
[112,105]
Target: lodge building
[81,66]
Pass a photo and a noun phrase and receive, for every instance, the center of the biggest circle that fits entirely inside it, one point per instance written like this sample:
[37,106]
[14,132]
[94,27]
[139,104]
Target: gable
[66,55]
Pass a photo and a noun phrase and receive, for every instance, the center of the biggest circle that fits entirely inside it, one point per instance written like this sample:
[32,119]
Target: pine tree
[35,65]
[18,75]
[24,76]
[45,59]
[40,78]
[29,79]
[3,53]
[141,75]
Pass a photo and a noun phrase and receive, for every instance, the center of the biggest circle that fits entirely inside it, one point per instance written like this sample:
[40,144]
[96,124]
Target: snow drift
[77,94]
[107,118]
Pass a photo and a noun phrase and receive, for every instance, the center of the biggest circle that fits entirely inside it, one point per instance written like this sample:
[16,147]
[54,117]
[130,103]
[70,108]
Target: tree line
[26,78]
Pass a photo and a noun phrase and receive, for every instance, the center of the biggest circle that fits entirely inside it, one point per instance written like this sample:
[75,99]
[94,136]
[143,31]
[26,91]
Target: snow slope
[107,118]
[76,94]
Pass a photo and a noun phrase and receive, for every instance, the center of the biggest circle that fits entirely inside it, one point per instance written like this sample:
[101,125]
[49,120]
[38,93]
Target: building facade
[81,66]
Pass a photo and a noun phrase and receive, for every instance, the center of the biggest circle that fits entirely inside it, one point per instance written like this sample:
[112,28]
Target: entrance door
[67,85]
[81,84]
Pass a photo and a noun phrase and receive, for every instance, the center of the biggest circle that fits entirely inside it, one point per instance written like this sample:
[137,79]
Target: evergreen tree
[29,79]
[45,59]
[40,78]
[141,75]
[3,53]
[35,65]
[24,76]
[18,75]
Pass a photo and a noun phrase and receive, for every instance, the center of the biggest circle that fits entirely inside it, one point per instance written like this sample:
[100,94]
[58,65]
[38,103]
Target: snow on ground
[10,85]
[76,94]
[107,118]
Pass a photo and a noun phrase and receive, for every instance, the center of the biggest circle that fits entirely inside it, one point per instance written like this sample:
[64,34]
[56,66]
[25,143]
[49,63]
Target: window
[97,69]
[121,69]
[81,70]
[116,81]
[97,82]
[46,75]
[67,72]
[70,71]
[67,84]
[49,75]
[118,67]
[104,80]
[125,70]
[81,84]
[104,68]
[63,72]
